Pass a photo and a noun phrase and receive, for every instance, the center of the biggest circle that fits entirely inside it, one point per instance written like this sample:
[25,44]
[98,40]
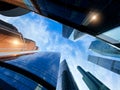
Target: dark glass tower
[92,82]
[65,78]
[11,40]
[35,71]
[112,65]
[71,33]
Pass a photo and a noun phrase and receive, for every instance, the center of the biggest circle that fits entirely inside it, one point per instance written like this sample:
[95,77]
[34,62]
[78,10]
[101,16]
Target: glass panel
[61,10]
[112,36]
[17,80]
[40,65]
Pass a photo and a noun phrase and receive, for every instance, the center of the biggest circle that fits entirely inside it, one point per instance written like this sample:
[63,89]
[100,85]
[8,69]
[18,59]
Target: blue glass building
[37,71]
[71,33]
[104,48]
[110,64]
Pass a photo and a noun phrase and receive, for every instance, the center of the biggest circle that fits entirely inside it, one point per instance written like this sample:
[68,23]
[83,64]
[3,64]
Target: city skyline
[75,53]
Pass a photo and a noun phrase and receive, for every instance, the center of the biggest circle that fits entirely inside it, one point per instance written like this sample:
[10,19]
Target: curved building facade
[38,71]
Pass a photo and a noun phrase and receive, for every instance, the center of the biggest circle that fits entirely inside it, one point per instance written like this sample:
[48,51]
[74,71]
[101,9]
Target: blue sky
[47,34]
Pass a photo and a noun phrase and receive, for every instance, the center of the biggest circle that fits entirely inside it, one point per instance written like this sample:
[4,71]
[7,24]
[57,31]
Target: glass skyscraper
[11,40]
[71,33]
[37,71]
[104,48]
[112,65]
[65,78]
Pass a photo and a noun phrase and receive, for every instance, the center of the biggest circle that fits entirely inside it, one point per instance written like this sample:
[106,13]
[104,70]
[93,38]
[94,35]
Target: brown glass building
[12,40]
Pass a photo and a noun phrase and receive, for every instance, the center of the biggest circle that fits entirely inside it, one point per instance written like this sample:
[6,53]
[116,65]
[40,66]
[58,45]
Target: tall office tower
[11,40]
[65,78]
[38,71]
[112,65]
[71,33]
[92,82]
[104,48]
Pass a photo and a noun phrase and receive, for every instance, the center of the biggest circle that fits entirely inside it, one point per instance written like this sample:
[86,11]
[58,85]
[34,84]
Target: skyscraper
[112,65]
[35,71]
[71,33]
[12,40]
[65,78]
[92,82]
[104,48]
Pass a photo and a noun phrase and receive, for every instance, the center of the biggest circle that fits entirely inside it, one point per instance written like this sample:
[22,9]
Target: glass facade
[66,31]
[71,33]
[112,34]
[112,65]
[62,9]
[92,82]
[31,71]
[65,78]
[104,48]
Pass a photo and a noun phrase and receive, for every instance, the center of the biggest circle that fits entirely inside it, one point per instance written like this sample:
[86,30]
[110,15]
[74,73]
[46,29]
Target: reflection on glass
[112,36]
[40,67]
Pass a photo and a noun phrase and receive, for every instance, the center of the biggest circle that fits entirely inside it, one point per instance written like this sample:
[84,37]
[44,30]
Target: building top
[9,29]
[66,31]
[28,40]
[71,33]
[104,48]
[13,28]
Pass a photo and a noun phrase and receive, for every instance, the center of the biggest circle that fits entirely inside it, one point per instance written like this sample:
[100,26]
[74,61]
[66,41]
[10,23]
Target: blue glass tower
[104,48]
[112,65]
[35,71]
[71,33]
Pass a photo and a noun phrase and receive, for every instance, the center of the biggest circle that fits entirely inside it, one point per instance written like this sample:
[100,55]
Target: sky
[47,34]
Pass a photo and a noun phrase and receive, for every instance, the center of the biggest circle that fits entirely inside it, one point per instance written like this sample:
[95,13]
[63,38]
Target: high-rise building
[12,40]
[112,65]
[93,17]
[91,81]
[65,78]
[104,48]
[37,71]
[71,33]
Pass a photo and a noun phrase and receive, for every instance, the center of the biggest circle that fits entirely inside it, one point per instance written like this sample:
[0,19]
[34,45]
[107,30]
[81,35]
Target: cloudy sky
[47,35]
